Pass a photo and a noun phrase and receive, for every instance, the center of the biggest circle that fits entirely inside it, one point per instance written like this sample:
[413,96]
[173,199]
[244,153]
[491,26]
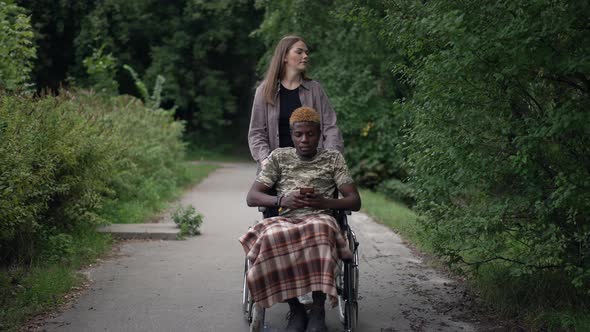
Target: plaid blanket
[293,256]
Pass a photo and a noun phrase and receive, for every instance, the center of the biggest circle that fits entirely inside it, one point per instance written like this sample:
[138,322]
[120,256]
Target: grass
[395,215]
[27,290]
[153,198]
[571,320]
[541,302]
[222,153]
[32,291]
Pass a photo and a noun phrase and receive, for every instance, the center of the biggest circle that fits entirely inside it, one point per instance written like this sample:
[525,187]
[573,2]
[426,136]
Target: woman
[285,88]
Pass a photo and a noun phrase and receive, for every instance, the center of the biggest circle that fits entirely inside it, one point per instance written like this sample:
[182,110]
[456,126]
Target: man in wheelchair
[297,252]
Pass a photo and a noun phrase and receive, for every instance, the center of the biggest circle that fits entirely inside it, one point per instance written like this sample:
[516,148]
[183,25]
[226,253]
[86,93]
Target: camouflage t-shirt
[325,172]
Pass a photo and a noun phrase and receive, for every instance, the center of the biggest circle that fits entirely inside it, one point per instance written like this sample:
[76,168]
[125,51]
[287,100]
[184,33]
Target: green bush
[498,138]
[16,46]
[102,69]
[59,247]
[396,190]
[195,45]
[188,220]
[67,161]
[148,156]
[55,170]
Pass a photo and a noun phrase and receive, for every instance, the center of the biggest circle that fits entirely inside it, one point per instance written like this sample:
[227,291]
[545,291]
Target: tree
[499,139]
[56,24]
[17,50]
[202,49]
[350,61]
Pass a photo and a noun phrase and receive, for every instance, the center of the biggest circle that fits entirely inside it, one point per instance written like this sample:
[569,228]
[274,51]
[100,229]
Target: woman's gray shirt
[263,135]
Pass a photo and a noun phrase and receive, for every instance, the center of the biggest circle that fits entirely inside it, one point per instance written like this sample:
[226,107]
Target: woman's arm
[258,140]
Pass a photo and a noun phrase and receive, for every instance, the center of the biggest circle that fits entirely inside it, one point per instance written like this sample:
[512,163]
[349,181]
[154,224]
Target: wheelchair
[347,280]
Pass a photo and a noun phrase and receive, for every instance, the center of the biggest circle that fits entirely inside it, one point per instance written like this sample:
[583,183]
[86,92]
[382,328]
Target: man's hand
[351,200]
[314,200]
[294,200]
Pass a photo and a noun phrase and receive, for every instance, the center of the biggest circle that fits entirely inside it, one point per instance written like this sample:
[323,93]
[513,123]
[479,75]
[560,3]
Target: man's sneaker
[317,319]
[297,319]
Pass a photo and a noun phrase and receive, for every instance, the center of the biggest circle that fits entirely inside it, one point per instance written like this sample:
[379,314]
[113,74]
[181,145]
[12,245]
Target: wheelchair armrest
[264,208]
[270,211]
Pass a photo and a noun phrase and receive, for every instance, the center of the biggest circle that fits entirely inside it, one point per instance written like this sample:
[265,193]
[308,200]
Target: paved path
[195,285]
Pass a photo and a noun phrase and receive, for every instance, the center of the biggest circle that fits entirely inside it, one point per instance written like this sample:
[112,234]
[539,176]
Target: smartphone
[308,190]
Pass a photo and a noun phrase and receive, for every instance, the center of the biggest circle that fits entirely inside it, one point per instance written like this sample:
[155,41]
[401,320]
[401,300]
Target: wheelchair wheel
[350,289]
[257,323]
[246,305]
[246,299]
[340,291]
[253,313]
[347,278]
[347,288]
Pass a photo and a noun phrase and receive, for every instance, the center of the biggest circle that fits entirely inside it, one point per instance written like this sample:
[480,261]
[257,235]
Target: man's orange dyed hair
[304,114]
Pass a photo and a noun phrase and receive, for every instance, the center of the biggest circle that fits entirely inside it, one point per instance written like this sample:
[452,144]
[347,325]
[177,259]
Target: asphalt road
[196,284]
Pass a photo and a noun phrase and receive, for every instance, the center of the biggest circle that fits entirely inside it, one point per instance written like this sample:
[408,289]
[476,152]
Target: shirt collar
[304,83]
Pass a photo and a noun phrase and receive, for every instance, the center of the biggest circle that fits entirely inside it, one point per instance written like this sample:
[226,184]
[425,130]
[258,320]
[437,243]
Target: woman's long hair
[276,68]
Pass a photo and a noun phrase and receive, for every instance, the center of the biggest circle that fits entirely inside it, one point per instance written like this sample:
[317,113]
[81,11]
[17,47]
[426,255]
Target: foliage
[396,216]
[31,291]
[202,48]
[59,247]
[361,88]
[399,191]
[155,99]
[188,220]
[221,153]
[498,146]
[54,170]
[17,50]
[67,161]
[26,291]
[546,302]
[101,69]
[55,25]
[154,195]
